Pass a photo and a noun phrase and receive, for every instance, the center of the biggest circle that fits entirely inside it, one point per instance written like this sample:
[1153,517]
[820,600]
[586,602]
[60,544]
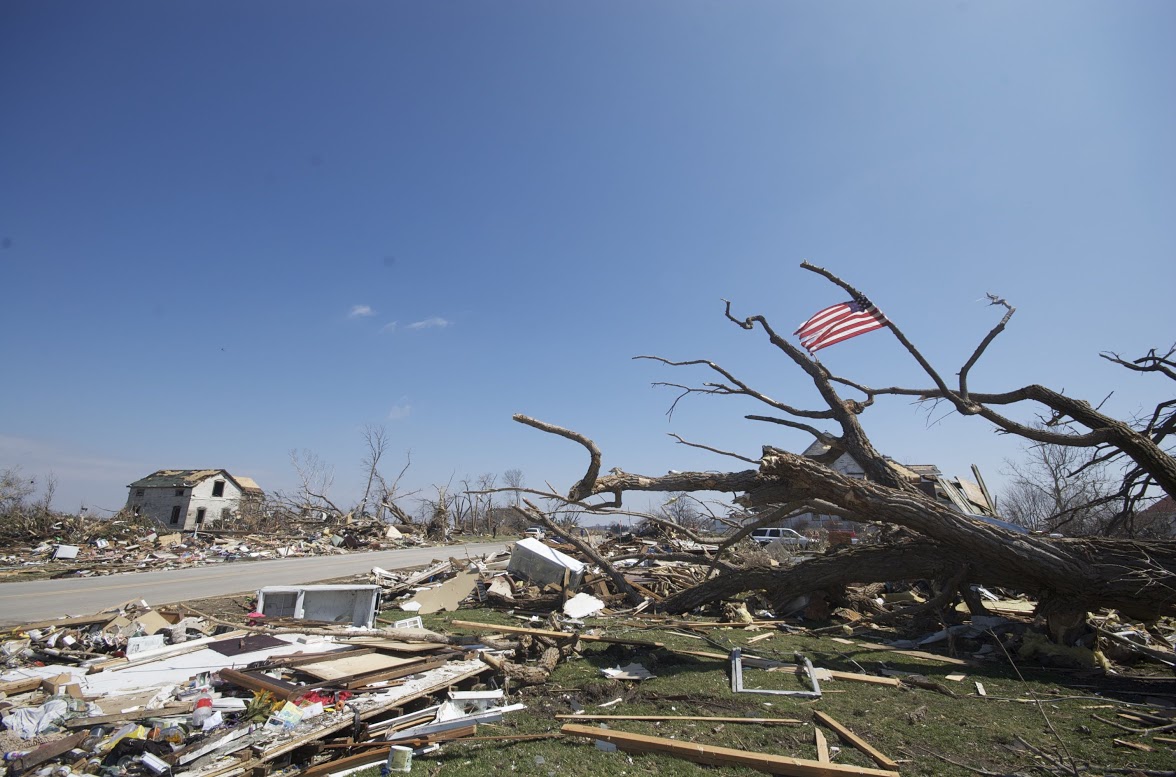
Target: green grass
[907,725]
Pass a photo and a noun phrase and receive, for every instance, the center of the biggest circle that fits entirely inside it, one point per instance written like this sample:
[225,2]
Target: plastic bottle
[203,710]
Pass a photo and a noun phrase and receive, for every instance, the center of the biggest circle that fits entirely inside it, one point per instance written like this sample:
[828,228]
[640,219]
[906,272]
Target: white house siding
[846,466]
[159,502]
[213,505]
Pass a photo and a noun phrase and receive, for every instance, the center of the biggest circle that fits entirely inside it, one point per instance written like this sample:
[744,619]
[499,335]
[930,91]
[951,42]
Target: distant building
[961,495]
[1157,521]
[187,499]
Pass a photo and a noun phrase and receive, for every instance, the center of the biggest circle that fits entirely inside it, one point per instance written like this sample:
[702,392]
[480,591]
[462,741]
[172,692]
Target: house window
[179,492]
[175,514]
[200,516]
[140,491]
[135,509]
[226,513]
[218,488]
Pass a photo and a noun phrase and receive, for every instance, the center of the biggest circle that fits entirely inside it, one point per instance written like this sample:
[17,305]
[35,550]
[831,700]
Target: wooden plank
[252,681]
[822,746]
[394,645]
[894,682]
[853,739]
[372,757]
[46,752]
[13,687]
[80,620]
[298,659]
[395,673]
[350,664]
[708,719]
[935,657]
[162,712]
[555,634]
[767,663]
[723,756]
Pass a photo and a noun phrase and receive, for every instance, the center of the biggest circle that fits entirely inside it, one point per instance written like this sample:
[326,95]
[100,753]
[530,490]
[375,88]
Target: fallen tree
[1069,576]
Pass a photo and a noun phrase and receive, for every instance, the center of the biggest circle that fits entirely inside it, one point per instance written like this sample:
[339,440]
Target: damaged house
[188,499]
[962,495]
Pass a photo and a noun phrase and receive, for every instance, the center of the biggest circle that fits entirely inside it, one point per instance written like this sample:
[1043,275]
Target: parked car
[535,531]
[789,537]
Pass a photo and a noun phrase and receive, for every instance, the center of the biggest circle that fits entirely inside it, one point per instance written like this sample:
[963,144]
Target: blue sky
[228,230]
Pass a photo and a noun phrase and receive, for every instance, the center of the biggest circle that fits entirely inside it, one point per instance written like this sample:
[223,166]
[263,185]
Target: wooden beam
[555,634]
[183,708]
[767,663]
[822,746]
[723,756]
[853,739]
[255,681]
[13,687]
[47,752]
[719,719]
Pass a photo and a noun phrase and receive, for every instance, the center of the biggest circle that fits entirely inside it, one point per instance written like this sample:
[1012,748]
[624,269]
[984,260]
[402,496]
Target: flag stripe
[860,323]
[838,323]
[824,318]
[837,338]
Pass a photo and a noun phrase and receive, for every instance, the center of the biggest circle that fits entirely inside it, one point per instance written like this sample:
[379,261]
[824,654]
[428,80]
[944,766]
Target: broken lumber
[555,634]
[702,718]
[822,746]
[853,739]
[723,756]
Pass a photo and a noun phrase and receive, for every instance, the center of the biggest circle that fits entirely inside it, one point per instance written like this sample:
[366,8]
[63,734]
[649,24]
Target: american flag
[840,322]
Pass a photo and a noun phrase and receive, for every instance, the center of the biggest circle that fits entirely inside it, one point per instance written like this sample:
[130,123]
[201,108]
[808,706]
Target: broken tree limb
[583,488]
[723,756]
[521,673]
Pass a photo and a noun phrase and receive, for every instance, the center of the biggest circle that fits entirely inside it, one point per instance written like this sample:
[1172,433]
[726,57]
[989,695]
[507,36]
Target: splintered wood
[723,756]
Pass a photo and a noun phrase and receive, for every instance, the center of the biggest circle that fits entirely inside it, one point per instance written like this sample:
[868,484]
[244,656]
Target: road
[43,599]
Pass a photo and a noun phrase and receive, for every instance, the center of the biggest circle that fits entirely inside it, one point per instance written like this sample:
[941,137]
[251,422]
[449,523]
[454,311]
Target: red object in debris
[203,701]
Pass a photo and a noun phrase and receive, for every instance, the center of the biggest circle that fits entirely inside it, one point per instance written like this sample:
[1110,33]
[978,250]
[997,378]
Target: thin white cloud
[436,322]
[389,327]
[360,311]
[400,412]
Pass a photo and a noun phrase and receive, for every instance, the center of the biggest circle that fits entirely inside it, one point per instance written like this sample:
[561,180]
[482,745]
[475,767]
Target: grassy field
[996,733]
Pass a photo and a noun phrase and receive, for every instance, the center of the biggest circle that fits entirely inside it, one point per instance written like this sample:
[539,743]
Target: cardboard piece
[447,596]
[61,685]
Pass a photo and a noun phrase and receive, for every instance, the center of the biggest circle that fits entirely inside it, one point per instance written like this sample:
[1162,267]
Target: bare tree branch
[585,486]
[714,450]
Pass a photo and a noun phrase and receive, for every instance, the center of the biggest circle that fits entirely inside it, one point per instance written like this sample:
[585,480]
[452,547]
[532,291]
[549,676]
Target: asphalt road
[43,599]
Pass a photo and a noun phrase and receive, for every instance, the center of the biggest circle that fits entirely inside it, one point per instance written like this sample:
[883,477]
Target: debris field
[329,679]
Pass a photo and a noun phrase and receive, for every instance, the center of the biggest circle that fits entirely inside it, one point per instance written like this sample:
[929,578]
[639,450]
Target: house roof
[186,478]
[1165,506]
[910,472]
[247,484]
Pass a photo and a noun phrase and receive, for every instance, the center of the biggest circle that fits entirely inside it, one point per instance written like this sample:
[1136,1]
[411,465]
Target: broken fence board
[879,758]
[723,756]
